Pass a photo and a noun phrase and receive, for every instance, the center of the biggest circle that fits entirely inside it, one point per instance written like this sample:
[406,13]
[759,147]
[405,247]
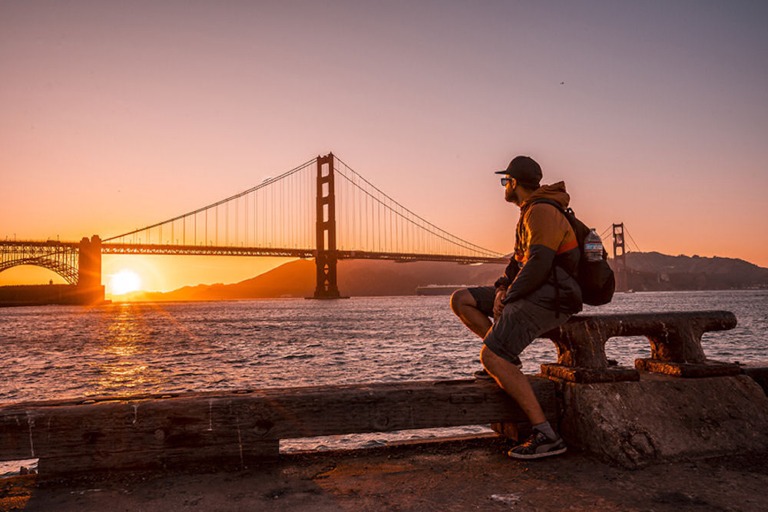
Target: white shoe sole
[537,455]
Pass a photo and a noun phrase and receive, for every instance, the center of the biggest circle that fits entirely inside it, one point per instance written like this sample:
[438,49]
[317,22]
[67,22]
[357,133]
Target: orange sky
[119,115]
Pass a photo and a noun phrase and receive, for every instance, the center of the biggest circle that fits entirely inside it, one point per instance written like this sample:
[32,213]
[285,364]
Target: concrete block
[758,372]
[662,418]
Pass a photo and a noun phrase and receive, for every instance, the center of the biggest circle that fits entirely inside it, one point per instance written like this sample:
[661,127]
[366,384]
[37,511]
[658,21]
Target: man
[536,293]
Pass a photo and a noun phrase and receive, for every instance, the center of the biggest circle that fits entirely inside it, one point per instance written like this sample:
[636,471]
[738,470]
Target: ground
[448,476]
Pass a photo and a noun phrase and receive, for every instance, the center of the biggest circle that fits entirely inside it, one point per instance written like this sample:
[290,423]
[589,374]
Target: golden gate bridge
[322,209]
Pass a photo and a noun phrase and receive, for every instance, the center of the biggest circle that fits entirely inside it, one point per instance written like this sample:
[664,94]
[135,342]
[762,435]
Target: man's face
[510,191]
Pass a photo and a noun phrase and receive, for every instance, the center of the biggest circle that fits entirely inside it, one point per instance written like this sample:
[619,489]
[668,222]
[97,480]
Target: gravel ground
[446,476]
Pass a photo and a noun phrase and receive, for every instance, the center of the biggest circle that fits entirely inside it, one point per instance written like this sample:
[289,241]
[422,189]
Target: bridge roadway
[79,263]
[213,250]
[201,250]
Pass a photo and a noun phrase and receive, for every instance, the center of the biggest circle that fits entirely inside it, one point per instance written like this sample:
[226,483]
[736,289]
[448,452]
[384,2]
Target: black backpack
[595,278]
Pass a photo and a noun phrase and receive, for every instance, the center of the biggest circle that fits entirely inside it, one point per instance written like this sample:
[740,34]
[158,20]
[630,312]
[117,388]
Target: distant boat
[438,289]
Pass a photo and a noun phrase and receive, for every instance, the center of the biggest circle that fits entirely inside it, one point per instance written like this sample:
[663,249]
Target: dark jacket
[546,255]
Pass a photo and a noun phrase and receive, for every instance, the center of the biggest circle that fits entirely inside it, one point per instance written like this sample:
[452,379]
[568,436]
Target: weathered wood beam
[241,428]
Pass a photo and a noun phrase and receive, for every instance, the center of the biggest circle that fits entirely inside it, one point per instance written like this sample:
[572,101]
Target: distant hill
[294,279]
[646,271]
[656,271]
[355,278]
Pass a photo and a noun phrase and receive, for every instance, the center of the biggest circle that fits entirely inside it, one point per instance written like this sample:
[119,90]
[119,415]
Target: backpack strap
[567,213]
[548,201]
[557,205]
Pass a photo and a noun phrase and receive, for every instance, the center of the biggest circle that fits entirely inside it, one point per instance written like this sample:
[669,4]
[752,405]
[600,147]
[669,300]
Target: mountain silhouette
[355,278]
[656,271]
[646,271]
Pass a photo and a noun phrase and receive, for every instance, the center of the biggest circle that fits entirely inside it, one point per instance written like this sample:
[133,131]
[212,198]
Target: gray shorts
[520,323]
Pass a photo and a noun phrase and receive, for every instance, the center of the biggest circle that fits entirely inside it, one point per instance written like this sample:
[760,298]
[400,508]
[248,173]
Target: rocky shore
[457,475]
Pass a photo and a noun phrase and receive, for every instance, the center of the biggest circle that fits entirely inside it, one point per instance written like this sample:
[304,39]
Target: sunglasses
[504,181]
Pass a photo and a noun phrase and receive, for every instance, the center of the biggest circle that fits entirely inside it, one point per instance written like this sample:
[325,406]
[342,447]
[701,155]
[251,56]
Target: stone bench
[675,340]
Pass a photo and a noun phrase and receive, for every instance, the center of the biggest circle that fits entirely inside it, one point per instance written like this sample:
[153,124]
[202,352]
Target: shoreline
[117,300]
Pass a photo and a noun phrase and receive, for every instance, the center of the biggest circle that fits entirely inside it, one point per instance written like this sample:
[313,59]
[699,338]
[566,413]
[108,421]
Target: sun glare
[125,281]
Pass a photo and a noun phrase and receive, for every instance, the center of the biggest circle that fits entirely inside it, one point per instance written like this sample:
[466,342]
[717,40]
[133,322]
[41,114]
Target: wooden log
[240,429]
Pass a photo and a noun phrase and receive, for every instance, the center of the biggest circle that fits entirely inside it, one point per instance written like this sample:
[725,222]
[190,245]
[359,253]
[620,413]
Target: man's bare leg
[509,378]
[544,442]
[464,306]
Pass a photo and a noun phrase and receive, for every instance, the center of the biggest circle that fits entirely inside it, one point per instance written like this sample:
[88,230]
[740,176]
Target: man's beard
[510,195]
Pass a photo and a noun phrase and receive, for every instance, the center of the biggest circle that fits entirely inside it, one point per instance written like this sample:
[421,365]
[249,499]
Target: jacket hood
[555,192]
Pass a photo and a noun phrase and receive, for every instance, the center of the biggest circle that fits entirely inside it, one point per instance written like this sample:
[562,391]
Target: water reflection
[124,362]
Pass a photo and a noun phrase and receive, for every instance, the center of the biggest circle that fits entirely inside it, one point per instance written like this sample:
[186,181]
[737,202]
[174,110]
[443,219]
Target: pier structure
[619,257]
[326,259]
[78,263]
[89,287]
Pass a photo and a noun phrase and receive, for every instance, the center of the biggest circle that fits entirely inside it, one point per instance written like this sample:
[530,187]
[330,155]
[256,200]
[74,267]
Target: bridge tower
[89,286]
[326,257]
[619,257]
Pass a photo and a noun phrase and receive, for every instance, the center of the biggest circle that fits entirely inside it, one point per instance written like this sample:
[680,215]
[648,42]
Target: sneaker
[538,446]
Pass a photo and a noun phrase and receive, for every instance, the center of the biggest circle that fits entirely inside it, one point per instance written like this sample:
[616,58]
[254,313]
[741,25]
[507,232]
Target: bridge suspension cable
[277,213]
[278,217]
[374,221]
[637,247]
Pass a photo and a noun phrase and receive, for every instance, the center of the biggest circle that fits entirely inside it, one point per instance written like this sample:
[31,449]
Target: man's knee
[494,363]
[462,298]
[488,358]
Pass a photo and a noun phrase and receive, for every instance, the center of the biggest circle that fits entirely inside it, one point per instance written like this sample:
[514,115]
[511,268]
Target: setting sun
[125,281]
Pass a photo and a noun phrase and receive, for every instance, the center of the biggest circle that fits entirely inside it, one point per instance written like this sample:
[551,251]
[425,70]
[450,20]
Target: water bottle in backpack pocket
[593,247]
[594,275]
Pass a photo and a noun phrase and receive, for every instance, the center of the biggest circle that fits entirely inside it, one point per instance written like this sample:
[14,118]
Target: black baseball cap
[525,170]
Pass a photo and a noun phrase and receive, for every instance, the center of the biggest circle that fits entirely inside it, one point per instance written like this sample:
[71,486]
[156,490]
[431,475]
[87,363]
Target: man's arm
[545,225]
[533,274]
[509,275]
[502,284]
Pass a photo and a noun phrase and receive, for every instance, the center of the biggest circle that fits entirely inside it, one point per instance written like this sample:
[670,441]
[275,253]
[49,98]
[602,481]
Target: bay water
[55,352]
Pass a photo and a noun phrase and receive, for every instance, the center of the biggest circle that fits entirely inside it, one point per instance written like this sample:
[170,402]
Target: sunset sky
[116,115]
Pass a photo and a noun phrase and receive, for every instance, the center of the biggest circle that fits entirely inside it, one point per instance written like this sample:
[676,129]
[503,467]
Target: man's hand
[498,306]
